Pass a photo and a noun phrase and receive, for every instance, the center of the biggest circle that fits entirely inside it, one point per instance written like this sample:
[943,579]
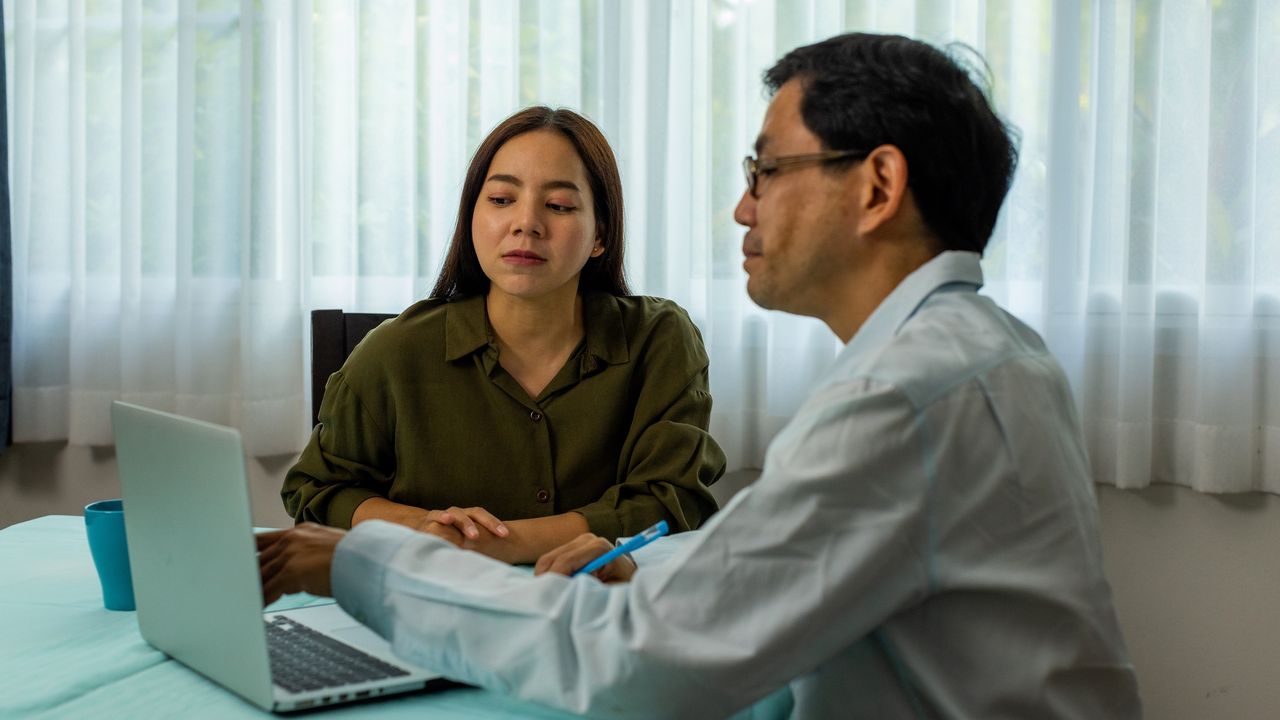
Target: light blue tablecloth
[63,656]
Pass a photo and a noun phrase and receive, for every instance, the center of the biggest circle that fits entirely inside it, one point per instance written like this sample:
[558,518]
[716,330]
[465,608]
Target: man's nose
[745,213]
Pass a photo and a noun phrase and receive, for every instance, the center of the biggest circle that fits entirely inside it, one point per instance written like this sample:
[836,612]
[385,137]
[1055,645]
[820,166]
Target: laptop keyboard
[303,659]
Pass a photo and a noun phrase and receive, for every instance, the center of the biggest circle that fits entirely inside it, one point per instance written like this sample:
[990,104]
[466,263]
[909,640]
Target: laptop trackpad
[361,637]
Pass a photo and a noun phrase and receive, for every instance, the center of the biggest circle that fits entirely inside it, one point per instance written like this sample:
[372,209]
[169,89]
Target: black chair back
[334,334]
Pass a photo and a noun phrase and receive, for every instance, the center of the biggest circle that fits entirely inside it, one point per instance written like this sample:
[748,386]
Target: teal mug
[104,524]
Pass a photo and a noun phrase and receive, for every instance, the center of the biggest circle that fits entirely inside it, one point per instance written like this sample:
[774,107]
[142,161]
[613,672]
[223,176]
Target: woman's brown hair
[462,275]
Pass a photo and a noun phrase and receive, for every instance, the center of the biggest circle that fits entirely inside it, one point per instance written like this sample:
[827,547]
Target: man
[923,539]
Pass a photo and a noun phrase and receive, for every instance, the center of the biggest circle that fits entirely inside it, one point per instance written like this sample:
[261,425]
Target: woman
[530,399]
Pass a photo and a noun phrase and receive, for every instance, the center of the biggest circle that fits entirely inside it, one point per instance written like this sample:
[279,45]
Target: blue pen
[631,545]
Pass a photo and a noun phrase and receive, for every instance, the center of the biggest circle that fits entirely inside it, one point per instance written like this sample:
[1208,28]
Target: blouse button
[543,496]
[535,416]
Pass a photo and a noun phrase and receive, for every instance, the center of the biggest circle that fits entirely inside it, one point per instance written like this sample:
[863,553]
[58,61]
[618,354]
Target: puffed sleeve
[669,457]
[349,459]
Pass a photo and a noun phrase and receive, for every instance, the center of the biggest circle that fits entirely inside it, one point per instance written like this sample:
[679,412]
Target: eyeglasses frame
[753,168]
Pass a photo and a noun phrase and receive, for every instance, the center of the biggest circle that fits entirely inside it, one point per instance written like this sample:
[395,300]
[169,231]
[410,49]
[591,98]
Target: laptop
[196,581]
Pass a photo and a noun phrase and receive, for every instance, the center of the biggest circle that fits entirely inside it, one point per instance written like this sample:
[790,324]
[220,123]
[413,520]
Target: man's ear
[884,184]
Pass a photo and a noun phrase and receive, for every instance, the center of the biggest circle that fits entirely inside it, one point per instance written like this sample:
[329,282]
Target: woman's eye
[767,171]
[561,208]
[500,201]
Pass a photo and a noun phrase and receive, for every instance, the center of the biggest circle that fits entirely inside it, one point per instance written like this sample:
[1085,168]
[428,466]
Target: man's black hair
[862,91]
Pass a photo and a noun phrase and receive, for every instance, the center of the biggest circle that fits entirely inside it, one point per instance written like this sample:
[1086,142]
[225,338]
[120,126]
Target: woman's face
[534,225]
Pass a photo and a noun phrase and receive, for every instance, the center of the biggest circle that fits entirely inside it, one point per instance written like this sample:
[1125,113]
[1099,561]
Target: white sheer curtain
[156,224]
[190,178]
[1143,232]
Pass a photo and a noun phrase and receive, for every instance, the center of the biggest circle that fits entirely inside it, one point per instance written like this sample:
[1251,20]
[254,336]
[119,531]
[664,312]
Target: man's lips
[749,252]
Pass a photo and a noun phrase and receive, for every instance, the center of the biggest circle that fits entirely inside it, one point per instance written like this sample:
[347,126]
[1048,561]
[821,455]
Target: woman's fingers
[486,518]
[444,531]
[469,520]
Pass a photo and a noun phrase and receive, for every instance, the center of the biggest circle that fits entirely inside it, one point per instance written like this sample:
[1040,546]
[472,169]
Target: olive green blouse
[423,414]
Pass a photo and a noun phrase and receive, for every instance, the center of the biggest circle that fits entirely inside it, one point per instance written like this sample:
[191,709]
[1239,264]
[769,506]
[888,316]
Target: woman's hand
[576,553]
[457,525]
[473,528]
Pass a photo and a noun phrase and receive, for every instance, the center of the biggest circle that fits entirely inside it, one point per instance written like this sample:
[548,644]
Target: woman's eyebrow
[561,185]
[549,185]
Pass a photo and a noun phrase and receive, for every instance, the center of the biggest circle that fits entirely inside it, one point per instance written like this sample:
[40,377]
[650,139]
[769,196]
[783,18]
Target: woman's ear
[598,249]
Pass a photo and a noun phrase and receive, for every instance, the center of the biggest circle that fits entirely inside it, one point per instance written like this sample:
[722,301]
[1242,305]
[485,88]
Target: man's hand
[581,550]
[296,560]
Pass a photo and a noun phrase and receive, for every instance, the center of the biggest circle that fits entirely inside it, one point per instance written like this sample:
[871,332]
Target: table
[62,655]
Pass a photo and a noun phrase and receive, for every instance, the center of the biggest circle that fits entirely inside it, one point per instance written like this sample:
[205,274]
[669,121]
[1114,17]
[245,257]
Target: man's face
[800,226]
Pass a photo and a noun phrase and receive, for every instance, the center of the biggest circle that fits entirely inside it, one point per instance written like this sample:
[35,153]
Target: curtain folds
[191,177]
[6,267]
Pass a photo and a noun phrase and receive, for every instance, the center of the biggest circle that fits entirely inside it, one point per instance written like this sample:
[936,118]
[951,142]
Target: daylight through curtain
[191,178]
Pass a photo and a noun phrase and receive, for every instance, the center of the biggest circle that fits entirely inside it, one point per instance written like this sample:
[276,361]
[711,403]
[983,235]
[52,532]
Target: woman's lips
[523,257]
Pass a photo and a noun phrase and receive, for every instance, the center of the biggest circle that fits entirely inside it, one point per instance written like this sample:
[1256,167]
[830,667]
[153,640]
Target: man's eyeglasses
[754,168]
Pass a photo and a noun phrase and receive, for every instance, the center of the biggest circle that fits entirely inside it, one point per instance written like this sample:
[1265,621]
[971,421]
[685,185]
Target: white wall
[1197,584]
[1196,577]
[56,479]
